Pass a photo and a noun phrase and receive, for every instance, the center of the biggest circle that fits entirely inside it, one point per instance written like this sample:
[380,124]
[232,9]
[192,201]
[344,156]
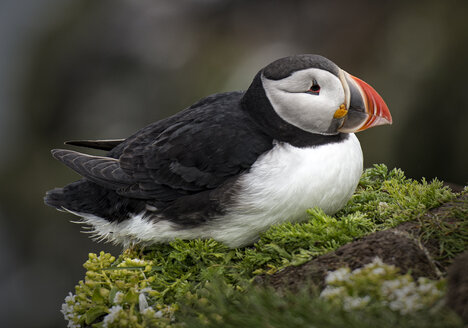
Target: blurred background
[103,69]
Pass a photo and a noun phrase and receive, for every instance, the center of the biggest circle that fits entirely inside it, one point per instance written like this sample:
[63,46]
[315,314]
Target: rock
[457,294]
[392,246]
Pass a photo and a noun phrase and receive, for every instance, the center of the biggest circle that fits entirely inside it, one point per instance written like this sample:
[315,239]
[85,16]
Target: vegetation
[374,296]
[168,285]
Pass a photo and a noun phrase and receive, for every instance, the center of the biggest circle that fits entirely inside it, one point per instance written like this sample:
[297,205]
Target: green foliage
[451,235]
[146,287]
[389,198]
[265,308]
[296,243]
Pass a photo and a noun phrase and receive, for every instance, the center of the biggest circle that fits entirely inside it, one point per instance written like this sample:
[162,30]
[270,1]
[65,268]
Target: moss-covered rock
[148,287]
[376,295]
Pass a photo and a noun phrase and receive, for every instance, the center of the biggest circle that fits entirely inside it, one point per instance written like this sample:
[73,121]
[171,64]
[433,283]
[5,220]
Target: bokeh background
[103,69]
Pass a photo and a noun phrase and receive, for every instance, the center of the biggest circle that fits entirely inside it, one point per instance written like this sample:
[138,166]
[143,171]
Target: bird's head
[313,94]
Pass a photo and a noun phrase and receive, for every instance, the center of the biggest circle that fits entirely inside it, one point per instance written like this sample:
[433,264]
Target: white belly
[285,182]
[280,186]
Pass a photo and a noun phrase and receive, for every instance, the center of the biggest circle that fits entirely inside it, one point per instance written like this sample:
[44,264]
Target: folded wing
[193,151]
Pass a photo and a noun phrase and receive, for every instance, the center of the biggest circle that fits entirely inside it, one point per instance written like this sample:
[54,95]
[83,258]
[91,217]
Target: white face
[308,110]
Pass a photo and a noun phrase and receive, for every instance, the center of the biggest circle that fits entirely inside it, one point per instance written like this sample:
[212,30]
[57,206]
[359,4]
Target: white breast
[283,183]
[280,186]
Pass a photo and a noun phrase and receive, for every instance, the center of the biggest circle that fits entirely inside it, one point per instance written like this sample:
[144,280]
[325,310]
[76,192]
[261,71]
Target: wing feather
[201,150]
[104,171]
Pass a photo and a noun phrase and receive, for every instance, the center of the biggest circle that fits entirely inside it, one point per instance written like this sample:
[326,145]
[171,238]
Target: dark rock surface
[457,295]
[392,246]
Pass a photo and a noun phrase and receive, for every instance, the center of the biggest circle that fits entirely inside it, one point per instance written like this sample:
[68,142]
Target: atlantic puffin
[232,164]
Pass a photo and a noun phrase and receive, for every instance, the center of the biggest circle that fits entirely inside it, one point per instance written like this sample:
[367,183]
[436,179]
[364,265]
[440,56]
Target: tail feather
[55,198]
[108,144]
[86,197]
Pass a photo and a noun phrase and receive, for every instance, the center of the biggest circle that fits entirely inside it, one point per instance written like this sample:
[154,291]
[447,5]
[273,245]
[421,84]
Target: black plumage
[192,152]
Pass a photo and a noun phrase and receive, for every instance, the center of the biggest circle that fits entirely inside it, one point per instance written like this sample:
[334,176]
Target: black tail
[96,144]
[86,197]
[55,198]
[76,196]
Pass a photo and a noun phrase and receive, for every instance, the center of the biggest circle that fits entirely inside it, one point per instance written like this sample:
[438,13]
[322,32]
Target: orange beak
[366,107]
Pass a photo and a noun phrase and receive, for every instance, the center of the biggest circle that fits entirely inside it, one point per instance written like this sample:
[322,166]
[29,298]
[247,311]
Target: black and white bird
[232,164]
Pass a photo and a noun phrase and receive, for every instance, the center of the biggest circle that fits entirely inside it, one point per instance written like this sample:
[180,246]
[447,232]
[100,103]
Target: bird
[232,164]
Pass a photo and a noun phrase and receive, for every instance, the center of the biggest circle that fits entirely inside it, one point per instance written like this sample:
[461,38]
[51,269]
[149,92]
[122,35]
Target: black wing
[193,151]
[104,171]
[209,143]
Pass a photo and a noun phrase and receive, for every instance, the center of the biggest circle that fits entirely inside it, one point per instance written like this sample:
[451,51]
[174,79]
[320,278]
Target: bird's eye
[315,88]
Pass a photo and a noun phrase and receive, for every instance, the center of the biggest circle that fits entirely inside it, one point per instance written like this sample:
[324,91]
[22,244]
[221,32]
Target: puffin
[232,164]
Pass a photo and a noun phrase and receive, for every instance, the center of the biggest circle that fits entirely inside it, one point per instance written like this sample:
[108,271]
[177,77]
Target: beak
[366,107]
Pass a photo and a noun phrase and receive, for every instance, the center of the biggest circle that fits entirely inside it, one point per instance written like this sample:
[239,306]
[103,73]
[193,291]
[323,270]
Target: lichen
[147,287]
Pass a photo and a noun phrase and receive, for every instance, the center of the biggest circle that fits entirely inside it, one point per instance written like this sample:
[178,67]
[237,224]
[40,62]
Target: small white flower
[119,297]
[341,274]
[112,316]
[142,303]
[411,303]
[378,271]
[395,305]
[68,311]
[353,303]
[426,287]
[158,314]
[70,298]
[383,206]
[404,295]
[356,271]
[149,312]
[376,262]
[330,292]
[389,285]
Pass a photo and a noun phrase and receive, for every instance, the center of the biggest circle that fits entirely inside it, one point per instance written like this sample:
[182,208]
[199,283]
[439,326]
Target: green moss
[146,287]
[389,198]
[449,229]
